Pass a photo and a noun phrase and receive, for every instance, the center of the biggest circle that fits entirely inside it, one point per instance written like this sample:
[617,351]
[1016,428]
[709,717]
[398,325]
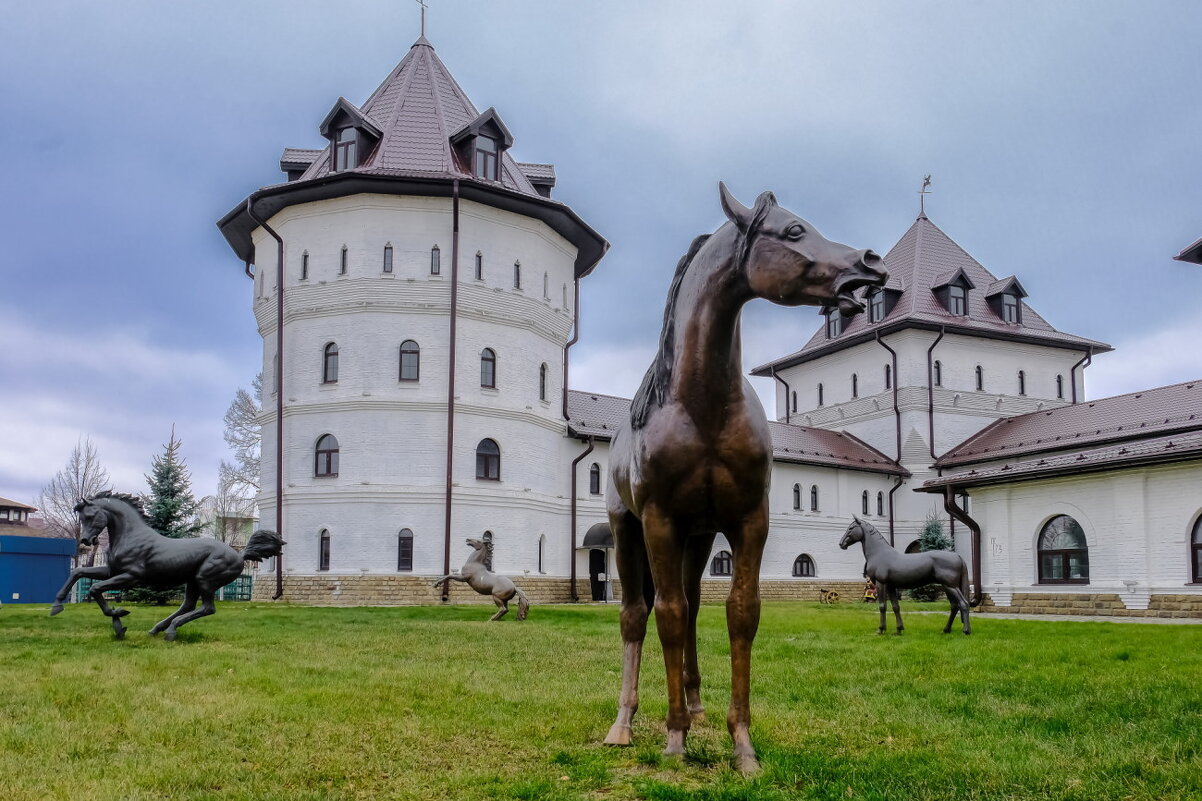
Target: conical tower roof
[924,259]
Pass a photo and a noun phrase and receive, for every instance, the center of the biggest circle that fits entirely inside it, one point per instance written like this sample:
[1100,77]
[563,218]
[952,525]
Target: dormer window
[346,150]
[957,300]
[876,306]
[485,165]
[1005,298]
[834,324]
[1010,308]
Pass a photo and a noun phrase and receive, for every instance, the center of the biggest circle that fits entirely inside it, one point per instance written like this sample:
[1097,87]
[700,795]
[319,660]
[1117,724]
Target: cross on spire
[422,3]
[922,196]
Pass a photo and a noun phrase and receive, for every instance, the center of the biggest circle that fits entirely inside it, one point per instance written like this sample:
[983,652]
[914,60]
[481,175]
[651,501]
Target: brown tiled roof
[1192,253]
[924,258]
[1137,415]
[600,416]
[417,108]
[299,156]
[1156,450]
[17,505]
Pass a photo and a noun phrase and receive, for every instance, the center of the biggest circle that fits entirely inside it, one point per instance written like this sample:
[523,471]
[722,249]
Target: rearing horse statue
[695,457]
[475,574]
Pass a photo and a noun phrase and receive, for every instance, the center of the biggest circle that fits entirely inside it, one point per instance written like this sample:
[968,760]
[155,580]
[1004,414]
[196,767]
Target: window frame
[342,261]
[346,149]
[801,563]
[1062,555]
[479,266]
[834,323]
[1059,387]
[329,363]
[957,300]
[517,274]
[594,479]
[980,374]
[820,398]
[416,353]
[876,306]
[404,551]
[486,162]
[1196,552]
[304,276]
[814,498]
[888,376]
[435,260]
[488,356]
[722,564]
[855,385]
[488,463]
[323,550]
[1022,382]
[864,503]
[388,258]
[797,497]
[880,504]
[1010,308]
[937,370]
[542,381]
[327,458]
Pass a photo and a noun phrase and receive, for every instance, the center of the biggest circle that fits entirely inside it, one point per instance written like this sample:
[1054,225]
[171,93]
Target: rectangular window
[305,265]
[479,266]
[957,300]
[834,324]
[876,307]
[404,558]
[388,258]
[342,262]
[435,261]
[486,158]
[1010,308]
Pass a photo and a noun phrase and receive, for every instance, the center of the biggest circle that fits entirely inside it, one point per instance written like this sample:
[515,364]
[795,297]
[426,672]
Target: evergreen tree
[171,509]
[932,538]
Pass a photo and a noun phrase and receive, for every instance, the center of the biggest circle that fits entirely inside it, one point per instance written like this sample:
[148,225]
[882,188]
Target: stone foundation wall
[398,590]
[1097,604]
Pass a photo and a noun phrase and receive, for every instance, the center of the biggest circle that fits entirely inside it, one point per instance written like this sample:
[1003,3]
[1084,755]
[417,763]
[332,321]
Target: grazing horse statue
[892,571]
[140,556]
[695,456]
[476,574]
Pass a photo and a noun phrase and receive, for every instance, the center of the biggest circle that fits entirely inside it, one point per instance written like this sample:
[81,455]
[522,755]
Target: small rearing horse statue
[475,574]
[695,456]
[891,571]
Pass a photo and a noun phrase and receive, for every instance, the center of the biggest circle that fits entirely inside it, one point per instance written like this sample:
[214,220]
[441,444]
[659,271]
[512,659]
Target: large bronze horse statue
[892,571]
[140,556]
[475,574]
[695,457]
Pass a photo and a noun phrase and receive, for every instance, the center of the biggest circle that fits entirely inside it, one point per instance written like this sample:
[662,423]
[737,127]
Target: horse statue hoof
[747,764]
[54,610]
[618,735]
[170,635]
[120,612]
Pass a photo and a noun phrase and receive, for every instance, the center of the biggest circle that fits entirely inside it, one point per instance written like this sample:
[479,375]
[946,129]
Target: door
[596,573]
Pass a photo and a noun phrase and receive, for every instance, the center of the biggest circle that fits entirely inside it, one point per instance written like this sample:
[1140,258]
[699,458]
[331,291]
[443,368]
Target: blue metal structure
[33,568]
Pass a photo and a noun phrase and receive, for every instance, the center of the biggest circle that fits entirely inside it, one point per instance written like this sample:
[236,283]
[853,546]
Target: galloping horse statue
[893,571]
[140,556]
[476,574]
[695,456]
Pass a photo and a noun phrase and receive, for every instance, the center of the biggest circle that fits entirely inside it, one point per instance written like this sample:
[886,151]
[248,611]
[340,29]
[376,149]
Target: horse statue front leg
[97,591]
[882,598]
[97,572]
[631,556]
[742,622]
[696,560]
[894,593]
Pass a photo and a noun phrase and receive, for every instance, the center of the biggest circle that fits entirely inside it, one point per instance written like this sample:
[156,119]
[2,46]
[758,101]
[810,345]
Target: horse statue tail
[262,545]
[523,603]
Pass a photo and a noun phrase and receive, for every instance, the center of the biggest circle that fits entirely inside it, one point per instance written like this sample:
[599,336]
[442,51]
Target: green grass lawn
[276,701]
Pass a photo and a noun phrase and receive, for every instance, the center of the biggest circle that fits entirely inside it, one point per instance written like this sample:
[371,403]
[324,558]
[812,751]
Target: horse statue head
[788,262]
[94,513]
[478,544]
[856,532]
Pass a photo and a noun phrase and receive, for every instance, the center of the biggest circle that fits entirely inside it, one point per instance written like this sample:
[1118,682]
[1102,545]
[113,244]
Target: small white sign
[16,596]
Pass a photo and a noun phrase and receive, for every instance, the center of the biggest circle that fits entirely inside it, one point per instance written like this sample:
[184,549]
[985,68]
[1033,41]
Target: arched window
[542,550]
[594,479]
[803,567]
[517,275]
[479,266]
[304,265]
[323,550]
[542,382]
[855,385]
[1022,383]
[797,497]
[435,261]
[487,554]
[938,373]
[275,374]
[488,368]
[980,379]
[1063,554]
[488,460]
[1060,387]
[325,456]
[888,376]
[814,498]
[404,551]
[329,364]
[342,262]
[388,258]
[722,564]
[546,286]
[880,504]
[819,394]
[864,502]
[1196,550]
[411,360]
[794,401]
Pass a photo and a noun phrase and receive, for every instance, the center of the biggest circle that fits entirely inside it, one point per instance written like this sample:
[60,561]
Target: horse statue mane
[133,500]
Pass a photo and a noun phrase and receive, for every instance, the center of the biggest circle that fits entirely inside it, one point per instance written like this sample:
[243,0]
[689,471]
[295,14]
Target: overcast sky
[1063,141]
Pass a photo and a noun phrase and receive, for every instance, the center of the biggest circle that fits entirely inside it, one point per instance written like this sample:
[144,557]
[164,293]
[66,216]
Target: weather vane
[422,3]
[922,196]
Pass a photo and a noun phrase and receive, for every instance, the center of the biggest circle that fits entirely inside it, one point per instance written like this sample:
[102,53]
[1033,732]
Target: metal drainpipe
[931,393]
[569,344]
[897,419]
[279,391]
[785,384]
[572,552]
[1087,359]
[949,503]
[446,555]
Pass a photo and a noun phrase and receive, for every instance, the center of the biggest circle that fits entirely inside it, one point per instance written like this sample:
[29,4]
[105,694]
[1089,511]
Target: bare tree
[232,514]
[82,477]
[244,435]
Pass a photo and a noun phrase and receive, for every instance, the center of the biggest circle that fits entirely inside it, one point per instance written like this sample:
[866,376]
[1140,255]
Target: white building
[417,293]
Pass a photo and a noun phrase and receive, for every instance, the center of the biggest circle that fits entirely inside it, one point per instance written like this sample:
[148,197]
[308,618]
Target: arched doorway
[598,541]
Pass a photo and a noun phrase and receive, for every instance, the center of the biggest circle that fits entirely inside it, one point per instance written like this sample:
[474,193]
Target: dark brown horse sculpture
[696,455]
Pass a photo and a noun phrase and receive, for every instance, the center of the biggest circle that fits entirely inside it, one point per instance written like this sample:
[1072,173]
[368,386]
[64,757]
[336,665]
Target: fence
[237,590]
